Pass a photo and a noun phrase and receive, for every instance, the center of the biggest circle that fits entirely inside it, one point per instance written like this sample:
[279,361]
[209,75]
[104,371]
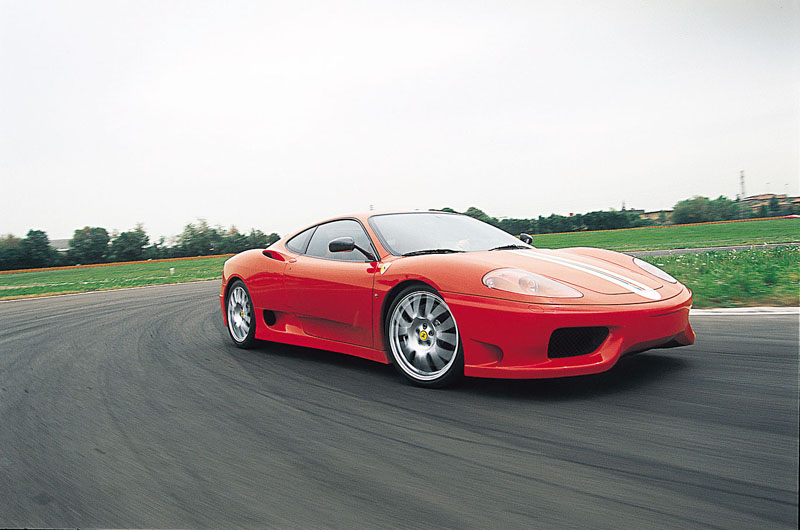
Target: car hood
[601,275]
[580,270]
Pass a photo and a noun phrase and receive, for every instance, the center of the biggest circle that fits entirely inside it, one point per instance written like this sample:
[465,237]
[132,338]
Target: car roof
[363,216]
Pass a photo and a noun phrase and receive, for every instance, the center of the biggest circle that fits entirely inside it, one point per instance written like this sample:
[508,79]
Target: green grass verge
[25,284]
[749,278]
[689,236]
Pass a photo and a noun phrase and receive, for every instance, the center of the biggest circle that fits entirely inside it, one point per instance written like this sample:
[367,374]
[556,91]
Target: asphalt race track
[133,409]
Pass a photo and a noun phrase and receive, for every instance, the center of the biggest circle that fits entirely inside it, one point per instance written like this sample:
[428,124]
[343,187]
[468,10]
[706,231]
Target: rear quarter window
[299,242]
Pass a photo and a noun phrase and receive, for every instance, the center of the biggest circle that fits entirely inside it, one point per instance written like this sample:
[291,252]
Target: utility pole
[741,184]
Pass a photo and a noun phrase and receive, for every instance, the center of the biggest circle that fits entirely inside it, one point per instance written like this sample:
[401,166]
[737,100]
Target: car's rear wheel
[241,324]
[423,338]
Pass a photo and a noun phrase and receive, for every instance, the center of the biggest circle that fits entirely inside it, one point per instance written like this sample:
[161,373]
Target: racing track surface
[132,409]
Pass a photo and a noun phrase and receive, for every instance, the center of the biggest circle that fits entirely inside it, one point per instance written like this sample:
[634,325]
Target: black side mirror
[526,238]
[342,244]
[346,244]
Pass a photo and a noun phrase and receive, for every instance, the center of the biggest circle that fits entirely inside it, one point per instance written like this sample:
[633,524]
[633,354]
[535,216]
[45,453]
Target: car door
[331,293]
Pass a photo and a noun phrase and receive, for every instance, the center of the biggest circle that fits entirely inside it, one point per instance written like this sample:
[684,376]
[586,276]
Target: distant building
[61,245]
[657,215]
[755,202]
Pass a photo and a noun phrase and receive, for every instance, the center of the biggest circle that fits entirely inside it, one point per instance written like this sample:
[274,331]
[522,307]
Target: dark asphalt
[132,409]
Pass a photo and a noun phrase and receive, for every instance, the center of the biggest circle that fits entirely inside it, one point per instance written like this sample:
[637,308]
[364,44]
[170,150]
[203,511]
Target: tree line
[703,210]
[95,245]
[694,210]
[91,245]
[559,223]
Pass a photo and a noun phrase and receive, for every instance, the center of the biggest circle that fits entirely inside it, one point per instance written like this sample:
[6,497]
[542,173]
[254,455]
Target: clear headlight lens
[655,271]
[524,282]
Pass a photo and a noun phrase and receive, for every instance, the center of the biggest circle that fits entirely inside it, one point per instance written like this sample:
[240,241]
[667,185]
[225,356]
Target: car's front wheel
[423,338]
[240,315]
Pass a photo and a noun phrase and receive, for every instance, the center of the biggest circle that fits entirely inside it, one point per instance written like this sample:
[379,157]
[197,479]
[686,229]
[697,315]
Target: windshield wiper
[432,251]
[510,247]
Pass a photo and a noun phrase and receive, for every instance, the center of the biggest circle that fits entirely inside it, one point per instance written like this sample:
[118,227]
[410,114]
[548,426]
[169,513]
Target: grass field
[26,284]
[688,236]
[750,278]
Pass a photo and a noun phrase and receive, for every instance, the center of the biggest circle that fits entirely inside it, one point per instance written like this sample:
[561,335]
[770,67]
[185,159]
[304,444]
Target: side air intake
[572,342]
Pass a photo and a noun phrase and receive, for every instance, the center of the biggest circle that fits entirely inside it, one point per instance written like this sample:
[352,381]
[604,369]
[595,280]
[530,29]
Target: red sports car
[442,295]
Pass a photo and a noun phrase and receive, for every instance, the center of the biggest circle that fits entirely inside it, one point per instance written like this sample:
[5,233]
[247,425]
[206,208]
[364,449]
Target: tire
[423,339]
[240,315]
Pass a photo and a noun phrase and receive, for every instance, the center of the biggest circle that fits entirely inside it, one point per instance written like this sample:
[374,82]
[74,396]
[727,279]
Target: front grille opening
[572,342]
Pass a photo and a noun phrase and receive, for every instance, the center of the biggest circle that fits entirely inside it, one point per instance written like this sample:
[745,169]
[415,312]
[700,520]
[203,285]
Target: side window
[299,242]
[318,247]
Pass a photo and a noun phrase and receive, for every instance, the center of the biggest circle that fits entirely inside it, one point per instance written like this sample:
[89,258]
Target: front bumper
[510,340]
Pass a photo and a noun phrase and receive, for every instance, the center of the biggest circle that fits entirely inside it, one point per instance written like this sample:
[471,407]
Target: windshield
[404,233]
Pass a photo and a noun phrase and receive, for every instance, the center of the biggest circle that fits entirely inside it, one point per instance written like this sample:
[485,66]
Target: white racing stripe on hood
[617,279]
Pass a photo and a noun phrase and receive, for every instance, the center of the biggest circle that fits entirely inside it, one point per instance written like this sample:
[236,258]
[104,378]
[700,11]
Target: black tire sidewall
[251,334]
[456,370]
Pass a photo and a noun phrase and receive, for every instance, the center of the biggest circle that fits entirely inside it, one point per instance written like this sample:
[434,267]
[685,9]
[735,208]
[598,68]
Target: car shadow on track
[309,360]
[630,374]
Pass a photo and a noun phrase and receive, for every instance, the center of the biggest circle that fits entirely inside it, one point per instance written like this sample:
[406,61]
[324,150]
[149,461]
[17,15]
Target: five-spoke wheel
[423,338]
[240,315]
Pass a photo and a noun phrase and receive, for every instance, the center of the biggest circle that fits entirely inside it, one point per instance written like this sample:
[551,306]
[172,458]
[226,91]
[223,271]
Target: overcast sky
[275,114]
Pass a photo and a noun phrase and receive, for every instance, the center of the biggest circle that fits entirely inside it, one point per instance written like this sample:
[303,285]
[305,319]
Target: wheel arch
[387,303]
[232,279]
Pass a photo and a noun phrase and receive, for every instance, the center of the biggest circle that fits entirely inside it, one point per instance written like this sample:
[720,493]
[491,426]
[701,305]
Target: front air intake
[572,342]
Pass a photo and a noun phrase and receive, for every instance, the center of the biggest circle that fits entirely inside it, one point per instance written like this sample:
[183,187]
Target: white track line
[48,296]
[750,311]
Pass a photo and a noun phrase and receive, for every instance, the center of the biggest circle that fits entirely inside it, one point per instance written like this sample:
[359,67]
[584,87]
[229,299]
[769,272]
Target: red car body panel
[340,305]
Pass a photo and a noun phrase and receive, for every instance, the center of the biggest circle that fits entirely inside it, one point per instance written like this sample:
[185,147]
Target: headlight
[524,282]
[655,271]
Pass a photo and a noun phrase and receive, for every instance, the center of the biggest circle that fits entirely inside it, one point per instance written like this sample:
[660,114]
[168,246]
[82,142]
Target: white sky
[275,114]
